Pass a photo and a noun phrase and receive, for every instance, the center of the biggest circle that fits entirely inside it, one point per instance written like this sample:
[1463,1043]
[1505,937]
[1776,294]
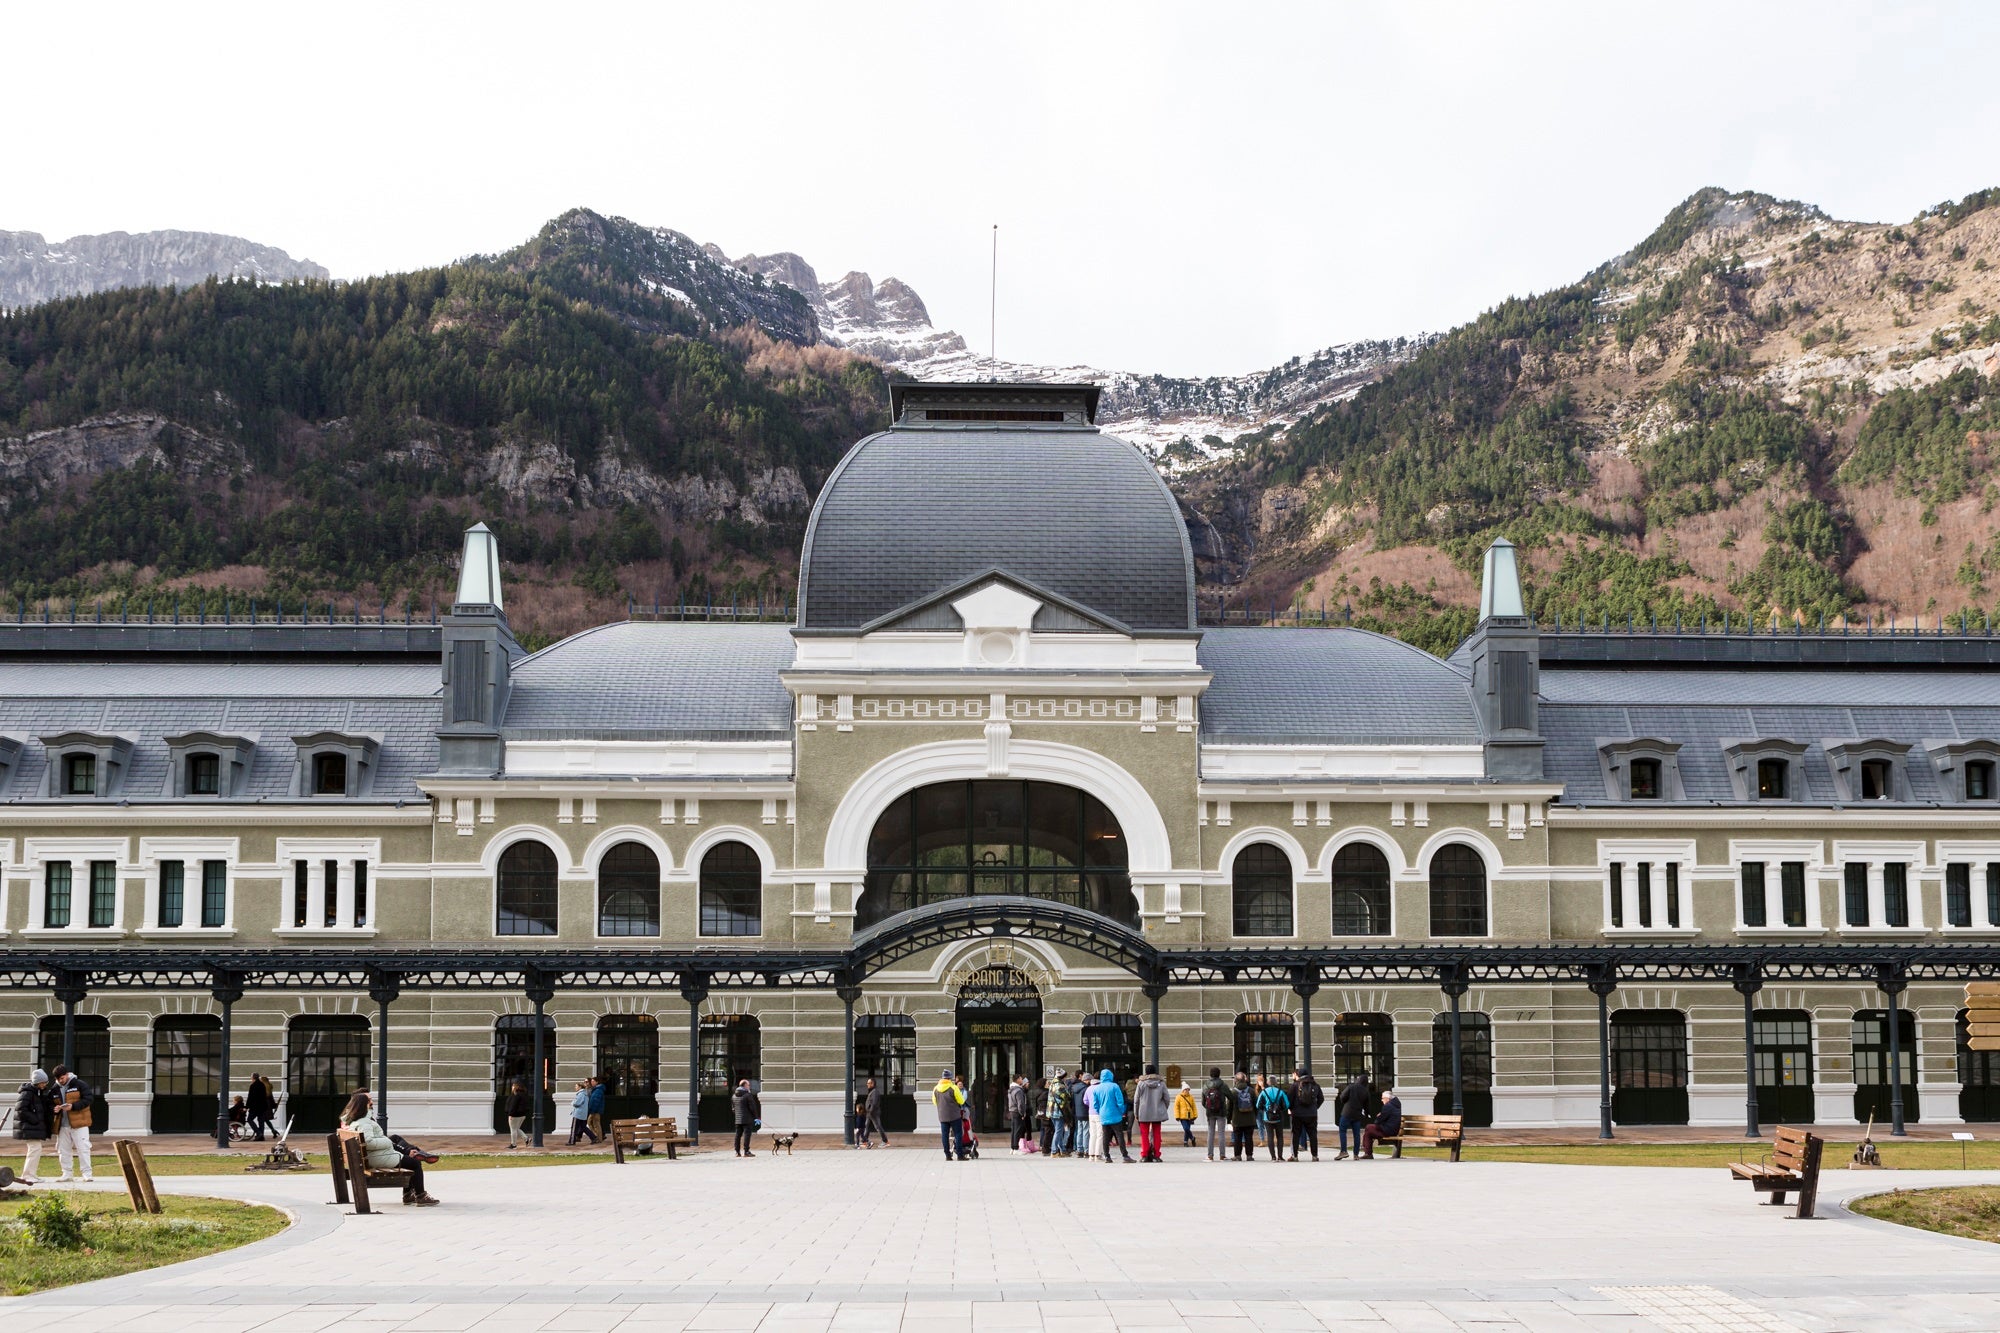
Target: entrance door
[93,1060]
[187,1058]
[1649,1067]
[731,1051]
[997,1064]
[1475,1065]
[1978,1077]
[514,1058]
[326,1062]
[999,1038]
[1784,1066]
[1871,1064]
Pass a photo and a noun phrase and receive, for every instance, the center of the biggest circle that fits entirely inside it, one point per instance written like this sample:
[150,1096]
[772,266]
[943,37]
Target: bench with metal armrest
[1793,1165]
[1437,1131]
[348,1159]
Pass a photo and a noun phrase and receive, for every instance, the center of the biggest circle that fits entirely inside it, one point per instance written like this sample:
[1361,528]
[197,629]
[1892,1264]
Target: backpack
[1274,1103]
[1063,1101]
[1310,1097]
[1246,1098]
[1215,1100]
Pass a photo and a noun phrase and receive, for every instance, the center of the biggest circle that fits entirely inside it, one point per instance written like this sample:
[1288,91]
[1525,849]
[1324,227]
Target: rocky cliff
[33,270]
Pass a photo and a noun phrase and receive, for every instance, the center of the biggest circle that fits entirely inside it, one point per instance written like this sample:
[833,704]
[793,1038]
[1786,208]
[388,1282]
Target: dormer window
[1641,768]
[204,774]
[1869,770]
[1966,770]
[1771,776]
[1979,780]
[329,775]
[207,764]
[86,766]
[333,765]
[1767,768]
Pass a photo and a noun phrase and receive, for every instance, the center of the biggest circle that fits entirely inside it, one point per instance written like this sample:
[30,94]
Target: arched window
[628,891]
[187,1053]
[1458,891]
[1360,890]
[527,891]
[732,891]
[1266,1044]
[1261,891]
[1036,839]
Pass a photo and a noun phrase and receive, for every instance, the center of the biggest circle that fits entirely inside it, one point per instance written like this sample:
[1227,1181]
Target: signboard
[1982,1015]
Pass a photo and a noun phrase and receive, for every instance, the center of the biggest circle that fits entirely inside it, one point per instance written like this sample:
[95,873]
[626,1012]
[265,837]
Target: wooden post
[138,1177]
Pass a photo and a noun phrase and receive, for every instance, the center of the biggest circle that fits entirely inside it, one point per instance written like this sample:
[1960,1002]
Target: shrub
[53,1224]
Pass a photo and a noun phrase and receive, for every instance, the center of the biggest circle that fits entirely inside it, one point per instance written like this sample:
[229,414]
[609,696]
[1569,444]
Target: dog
[784,1141]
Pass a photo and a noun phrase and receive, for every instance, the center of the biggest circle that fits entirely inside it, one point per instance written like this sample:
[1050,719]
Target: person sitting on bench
[382,1154]
[1387,1125]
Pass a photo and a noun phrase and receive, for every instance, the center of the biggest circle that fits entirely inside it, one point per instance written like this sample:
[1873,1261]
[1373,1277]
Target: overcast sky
[1196,189]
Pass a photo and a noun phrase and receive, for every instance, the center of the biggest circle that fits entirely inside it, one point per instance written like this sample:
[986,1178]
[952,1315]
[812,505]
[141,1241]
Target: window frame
[1387,888]
[194,856]
[553,890]
[703,889]
[1666,865]
[1871,856]
[350,855]
[1617,757]
[644,886]
[1433,888]
[1852,760]
[1745,760]
[1981,858]
[37,854]
[1278,864]
[1775,854]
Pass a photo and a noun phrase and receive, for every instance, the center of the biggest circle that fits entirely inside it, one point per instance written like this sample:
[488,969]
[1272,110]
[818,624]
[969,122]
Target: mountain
[33,270]
[1757,409]
[1182,422]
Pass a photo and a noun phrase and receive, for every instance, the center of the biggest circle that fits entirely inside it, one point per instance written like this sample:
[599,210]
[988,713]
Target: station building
[995,799]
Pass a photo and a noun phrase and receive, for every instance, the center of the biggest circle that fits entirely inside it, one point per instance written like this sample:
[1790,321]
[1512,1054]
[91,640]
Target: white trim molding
[587,759]
[1250,763]
[79,853]
[1645,890]
[190,852]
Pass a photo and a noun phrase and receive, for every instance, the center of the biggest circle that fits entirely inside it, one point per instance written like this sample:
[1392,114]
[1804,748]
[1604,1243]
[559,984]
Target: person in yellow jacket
[949,1097]
[1185,1111]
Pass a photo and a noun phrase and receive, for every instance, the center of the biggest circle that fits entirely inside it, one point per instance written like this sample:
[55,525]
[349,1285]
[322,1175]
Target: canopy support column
[1748,982]
[848,995]
[383,988]
[694,989]
[1455,986]
[1153,991]
[540,992]
[1602,984]
[1893,983]
[70,992]
[1305,984]
[227,988]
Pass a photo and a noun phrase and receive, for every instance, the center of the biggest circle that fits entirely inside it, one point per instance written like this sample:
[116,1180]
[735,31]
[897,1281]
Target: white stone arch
[1472,838]
[690,871]
[1374,837]
[489,857]
[1283,839]
[593,855]
[1026,949]
[1148,851]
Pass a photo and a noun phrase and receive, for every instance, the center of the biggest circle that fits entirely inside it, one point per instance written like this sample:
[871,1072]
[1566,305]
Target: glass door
[1784,1063]
[187,1063]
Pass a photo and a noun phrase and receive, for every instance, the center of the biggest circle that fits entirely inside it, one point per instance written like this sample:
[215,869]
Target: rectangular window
[1993,893]
[1645,779]
[1753,893]
[103,894]
[1876,779]
[1958,894]
[360,894]
[80,774]
[55,895]
[204,775]
[1979,780]
[1645,895]
[1792,893]
[299,894]
[331,916]
[1771,779]
[329,775]
[1617,896]
[173,884]
[214,893]
[1895,894]
[1856,875]
[1673,895]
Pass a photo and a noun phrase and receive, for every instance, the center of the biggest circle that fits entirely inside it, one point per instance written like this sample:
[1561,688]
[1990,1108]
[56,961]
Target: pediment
[995,599]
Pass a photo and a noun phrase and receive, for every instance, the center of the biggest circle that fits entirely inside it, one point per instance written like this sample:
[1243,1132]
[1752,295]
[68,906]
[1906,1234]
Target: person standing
[1217,1101]
[1352,1108]
[261,1105]
[1243,1120]
[949,1098]
[748,1111]
[1062,1115]
[72,1100]
[600,1098]
[1107,1110]
[1082,1144]
[871,1116]
[579,1114]
[1184,1111]
[1019,1124]
[1307,1098]
[1151,1104]
[1274,1111]
[517,1113]
[34,1123]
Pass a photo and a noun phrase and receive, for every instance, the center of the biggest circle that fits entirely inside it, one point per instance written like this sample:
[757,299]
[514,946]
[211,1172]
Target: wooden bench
[1793,1165]
[349,1161]
[647,1132]
[1437,1131]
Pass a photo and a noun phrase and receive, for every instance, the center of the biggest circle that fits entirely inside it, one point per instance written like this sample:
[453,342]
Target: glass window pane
[1458,891]
[527,891]
[103,893]
[628,891]
[732,891]
[214,893]
[1360,890]
[172,886]
[1261,891]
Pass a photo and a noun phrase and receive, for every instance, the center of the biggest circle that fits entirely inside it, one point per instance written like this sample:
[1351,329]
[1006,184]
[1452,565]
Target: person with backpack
[949,1098]
[1307,1098]
[1107,1110]
[1184,1111]
[1274,1113]
[1243,1120]
[1352,1109]
[1151,1105]
[1217,1102]
[1062,1114]
[1019,1126]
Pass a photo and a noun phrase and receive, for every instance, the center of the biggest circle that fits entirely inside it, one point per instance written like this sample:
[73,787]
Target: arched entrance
[999,1037]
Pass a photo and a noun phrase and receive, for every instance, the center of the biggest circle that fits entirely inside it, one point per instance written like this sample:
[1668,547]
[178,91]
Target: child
[1184,1111]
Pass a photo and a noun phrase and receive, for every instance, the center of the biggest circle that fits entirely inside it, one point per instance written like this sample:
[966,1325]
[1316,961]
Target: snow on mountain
[33,269]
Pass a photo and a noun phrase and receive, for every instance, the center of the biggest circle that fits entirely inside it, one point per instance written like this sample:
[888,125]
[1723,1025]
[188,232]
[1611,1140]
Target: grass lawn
[1909,1155]
[116,1241]
[1969,1210]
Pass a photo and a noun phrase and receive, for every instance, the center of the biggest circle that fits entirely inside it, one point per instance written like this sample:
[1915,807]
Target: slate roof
[272,702]
[1704,709]
[911,511]
[656,681]
[1333,686]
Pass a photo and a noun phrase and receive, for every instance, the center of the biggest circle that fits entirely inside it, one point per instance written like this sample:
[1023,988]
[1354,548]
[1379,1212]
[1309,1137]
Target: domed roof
[994,482]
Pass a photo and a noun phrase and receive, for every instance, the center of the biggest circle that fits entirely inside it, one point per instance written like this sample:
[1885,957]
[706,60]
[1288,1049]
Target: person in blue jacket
[1107,1115]
[598,1096]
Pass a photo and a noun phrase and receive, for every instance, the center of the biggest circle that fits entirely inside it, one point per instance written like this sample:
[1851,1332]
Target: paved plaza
[832,1241]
